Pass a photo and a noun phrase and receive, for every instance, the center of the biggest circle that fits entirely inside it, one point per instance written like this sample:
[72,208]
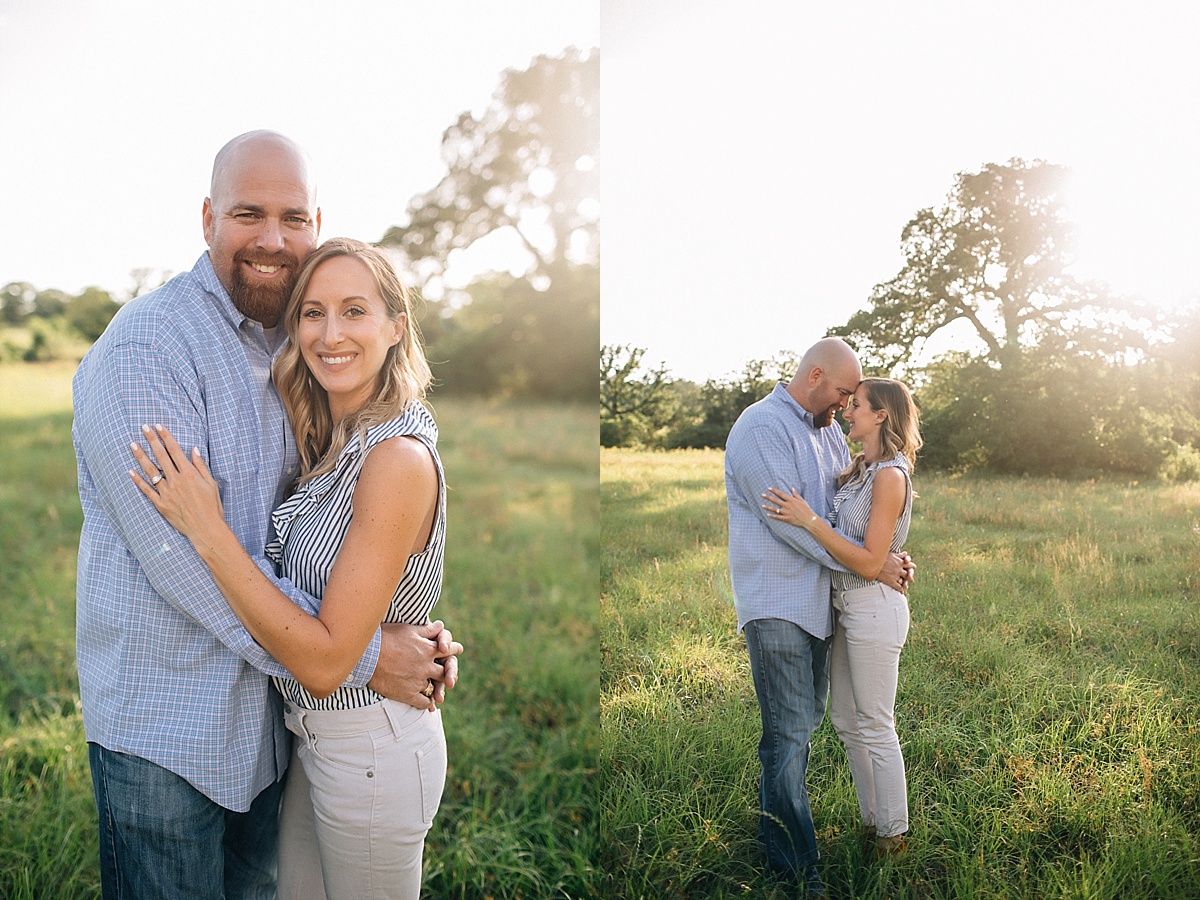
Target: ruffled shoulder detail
[900,461]
[415,421]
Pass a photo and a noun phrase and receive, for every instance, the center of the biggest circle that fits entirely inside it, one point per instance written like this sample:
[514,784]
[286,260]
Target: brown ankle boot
[890,847]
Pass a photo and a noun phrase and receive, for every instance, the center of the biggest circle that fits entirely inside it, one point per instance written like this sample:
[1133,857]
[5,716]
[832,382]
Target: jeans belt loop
[299,714]
[389,710]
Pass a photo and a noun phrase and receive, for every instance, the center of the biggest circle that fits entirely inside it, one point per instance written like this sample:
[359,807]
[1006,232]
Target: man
[781,584]
[185,737]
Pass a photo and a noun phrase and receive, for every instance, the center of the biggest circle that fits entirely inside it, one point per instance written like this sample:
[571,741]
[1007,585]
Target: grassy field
[519,816]
[1048,703]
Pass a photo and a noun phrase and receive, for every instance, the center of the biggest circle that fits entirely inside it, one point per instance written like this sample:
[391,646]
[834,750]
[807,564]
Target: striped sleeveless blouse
[311,525]
[852,509]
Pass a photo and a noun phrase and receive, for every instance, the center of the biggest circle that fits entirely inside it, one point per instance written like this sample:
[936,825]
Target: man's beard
[263,301]
[825,419]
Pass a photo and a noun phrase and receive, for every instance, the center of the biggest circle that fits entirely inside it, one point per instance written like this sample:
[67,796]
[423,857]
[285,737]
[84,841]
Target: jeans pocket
[349,754]
[431,769]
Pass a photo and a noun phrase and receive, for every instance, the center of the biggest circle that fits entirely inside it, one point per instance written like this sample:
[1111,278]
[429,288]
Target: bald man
[186,738]
[781,585]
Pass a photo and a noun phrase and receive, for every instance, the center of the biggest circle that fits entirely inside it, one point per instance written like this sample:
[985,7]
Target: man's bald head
[257,148]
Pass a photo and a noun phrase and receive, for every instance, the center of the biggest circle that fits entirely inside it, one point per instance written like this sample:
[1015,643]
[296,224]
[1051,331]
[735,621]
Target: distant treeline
[1068,416]
[1066,378]
[510,340]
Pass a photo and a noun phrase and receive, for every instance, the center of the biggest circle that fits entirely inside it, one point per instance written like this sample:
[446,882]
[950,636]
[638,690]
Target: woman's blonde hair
[404,378]
[900,432]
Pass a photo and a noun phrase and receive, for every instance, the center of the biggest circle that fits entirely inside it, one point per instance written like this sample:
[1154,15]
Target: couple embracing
[263,541]
[819,574]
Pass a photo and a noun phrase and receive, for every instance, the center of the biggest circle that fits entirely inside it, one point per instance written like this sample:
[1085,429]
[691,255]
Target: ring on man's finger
[428,692]
[156,479]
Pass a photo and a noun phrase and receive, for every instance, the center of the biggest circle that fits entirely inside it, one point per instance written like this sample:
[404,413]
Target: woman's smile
[335,360]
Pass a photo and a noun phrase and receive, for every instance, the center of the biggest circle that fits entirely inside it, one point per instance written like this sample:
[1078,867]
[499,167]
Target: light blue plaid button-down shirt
[779,571]
[166,670]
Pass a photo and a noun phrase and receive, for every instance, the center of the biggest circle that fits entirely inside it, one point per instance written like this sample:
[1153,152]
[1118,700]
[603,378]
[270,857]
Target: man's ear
[206,216]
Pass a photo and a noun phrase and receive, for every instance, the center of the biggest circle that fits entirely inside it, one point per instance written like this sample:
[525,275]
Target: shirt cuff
[364,671]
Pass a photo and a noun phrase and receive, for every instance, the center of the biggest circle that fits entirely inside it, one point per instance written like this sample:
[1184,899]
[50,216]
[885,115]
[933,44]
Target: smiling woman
[335,328]
[345,331]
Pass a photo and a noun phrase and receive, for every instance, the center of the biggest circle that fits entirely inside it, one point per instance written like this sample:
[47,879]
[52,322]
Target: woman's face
[860,417]
[345,332]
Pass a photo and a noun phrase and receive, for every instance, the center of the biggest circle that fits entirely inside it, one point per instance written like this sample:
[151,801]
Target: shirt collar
[781,393]
[207,276]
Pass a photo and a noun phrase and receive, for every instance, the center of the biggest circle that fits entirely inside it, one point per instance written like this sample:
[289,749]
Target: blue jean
[162,838]
[791,678]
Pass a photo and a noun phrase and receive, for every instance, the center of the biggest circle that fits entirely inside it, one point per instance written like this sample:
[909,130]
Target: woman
[872,510]
[364,532]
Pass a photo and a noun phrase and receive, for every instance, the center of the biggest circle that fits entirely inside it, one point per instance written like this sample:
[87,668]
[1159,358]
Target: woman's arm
[887,503]
[318,651]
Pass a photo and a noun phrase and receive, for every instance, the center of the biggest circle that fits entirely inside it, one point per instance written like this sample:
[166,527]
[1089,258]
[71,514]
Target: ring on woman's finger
[428,692]
[156,479]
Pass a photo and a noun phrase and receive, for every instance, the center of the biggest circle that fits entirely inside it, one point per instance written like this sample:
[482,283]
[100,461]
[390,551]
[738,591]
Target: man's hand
[898,572]
[910,570]
[410,656]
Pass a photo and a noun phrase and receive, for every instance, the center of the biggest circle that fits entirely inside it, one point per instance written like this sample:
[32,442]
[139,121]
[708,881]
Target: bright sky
[112,110]
[761,158]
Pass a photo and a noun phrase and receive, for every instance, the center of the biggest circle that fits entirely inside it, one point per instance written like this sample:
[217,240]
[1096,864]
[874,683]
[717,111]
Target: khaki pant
[864,666]
[362,790]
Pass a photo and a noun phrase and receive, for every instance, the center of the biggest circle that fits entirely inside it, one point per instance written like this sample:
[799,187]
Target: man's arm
[765,460]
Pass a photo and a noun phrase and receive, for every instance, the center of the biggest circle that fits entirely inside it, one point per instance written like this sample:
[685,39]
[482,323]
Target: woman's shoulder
[887,473]
[890,477]
[894,469]
[399,466]
[408,442]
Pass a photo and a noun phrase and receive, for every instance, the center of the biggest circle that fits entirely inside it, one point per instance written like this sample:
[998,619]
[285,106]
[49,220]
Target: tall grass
[1047,705]
[518,817]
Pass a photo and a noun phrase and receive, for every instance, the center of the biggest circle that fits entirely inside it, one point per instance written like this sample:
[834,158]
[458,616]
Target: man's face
[832,393]
[260,225]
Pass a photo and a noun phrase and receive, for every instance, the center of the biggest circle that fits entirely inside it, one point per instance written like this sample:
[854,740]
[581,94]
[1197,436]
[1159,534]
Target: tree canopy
[640,406]
[995,257]
[1053,388]
[529,163]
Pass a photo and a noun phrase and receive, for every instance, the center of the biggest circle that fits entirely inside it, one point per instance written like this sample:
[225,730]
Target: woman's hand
[790,508]
[183,491]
